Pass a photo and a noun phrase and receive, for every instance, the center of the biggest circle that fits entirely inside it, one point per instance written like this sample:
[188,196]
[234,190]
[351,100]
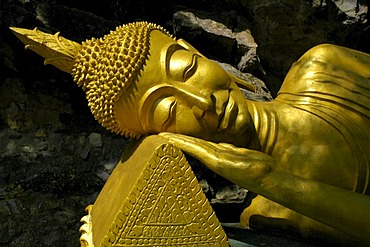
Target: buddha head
[139,80]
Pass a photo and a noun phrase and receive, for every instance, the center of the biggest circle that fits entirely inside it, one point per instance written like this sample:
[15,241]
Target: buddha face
[181,91]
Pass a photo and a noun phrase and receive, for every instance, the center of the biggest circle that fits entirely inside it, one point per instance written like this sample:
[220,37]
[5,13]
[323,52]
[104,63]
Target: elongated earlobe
[188,46]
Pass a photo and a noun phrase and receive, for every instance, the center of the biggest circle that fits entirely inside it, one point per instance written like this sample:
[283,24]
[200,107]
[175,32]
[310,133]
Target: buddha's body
[309,159]
[318,125]
[320,117]
[307,150]
[289,147]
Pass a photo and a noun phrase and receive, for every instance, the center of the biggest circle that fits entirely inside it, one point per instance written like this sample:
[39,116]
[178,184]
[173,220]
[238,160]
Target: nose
[202,101]
[199,100]
[220,99]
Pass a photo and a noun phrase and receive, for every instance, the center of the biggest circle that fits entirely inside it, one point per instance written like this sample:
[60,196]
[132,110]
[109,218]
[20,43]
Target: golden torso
[310,147]
[306,146]
[317,127]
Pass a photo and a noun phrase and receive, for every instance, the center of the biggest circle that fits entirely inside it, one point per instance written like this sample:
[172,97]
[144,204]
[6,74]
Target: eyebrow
[170,51]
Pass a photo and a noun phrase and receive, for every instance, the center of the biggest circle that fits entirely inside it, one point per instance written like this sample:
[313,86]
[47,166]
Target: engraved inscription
[167,207]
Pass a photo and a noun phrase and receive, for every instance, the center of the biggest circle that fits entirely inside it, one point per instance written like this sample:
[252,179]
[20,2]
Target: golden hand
[257,172]
[244,167]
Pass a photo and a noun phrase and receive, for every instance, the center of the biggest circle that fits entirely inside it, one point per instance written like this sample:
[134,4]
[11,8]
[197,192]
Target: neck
[265,126]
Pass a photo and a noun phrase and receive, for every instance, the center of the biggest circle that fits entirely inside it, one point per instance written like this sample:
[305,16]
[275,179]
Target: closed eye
[190,68]
[171,115]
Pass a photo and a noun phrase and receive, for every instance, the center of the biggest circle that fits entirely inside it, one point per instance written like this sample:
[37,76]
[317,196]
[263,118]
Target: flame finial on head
[56,50]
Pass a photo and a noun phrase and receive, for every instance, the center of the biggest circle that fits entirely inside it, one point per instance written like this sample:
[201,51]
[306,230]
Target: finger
[218,146]
[184,140]
[227,145]
[175,138]
[200,149]
[234,149]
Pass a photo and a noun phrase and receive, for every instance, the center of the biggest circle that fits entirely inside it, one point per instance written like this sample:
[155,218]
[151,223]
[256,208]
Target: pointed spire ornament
[56,50]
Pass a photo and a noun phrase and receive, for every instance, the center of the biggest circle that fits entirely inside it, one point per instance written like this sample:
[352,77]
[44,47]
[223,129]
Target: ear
[188,46]
[243,84]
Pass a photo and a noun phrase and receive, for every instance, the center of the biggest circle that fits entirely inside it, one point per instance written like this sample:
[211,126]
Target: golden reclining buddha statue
[305,154]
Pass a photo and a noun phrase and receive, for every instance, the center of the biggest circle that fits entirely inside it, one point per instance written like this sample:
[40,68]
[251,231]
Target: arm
[344,210]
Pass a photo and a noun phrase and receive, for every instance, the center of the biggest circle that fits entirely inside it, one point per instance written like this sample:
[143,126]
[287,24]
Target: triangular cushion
[152,198]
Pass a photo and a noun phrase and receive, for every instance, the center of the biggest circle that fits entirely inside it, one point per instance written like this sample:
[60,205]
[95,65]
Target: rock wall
[55,158]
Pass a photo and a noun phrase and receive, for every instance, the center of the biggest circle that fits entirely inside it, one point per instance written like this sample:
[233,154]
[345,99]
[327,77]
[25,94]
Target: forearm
[344,210]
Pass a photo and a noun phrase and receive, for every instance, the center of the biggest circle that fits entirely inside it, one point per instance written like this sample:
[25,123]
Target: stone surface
[285,29]
[234,47]
[261,93]
[95,140]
